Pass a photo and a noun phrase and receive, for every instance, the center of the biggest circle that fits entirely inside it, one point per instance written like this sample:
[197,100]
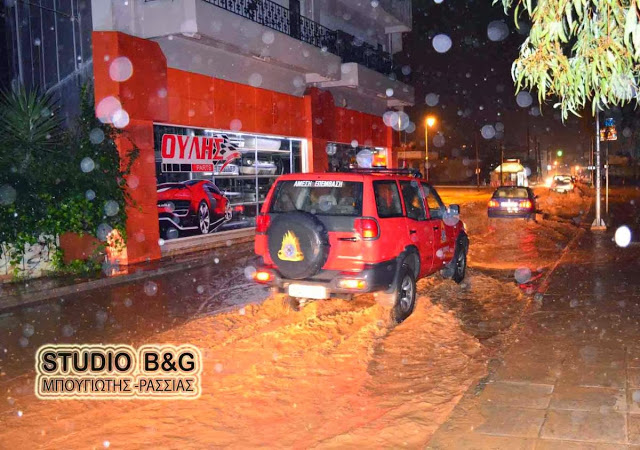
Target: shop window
[343,157]
[232,191]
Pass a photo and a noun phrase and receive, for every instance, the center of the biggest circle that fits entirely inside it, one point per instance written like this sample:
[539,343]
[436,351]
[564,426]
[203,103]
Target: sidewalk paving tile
[633,377]
[633,356]
[586,426]
[507,421]
[588,399]
[596,354]
[548,444]
[475,441]
[633,400]
[634,429]
[529,371]
[522,395]
[593,376]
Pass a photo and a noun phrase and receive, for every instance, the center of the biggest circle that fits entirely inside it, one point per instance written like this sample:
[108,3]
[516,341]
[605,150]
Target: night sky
[473,82]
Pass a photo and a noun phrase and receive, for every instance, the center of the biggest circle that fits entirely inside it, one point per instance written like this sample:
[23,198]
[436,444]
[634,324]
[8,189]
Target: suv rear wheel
[405,295]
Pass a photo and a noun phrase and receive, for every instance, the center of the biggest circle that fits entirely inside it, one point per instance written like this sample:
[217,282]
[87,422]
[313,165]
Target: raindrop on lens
[524,99]
[96,136]
[268,37]
[150,288]
[23,341]
[28,330]
[172,233]
[120,118]
[218,367]
[441,43]
[255,80]
[67,331]
[7,195]
[111,208]
[103,231]
[623,236]
[121,69]
[200,289]
[488,132]
[497,31]
[249,271]
[522,275]
[90,195]
[439,140]
[87,164]
[432,99]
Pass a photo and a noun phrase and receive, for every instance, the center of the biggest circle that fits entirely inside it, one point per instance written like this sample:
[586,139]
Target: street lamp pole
[426,148]
[428,122]
[598,223]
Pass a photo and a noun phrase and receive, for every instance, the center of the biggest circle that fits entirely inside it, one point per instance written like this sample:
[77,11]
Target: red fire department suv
[325,235]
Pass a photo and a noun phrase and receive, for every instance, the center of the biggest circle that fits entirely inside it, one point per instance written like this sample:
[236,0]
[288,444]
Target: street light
[559,153]
[428,122]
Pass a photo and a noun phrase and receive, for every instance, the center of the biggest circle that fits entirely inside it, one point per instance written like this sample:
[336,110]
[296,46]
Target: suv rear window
[323,197]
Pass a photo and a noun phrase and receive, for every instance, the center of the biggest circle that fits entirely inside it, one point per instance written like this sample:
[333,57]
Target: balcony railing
[291,23]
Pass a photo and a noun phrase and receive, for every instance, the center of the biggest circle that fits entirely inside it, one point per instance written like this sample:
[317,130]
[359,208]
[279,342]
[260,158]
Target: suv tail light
[367,228]
[263,276]
[525,204]
[493,203]
[262,223]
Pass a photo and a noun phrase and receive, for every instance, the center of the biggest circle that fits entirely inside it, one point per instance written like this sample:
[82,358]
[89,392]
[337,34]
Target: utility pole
[477,160]
[606,192]
[598,223]
[528,141]
[501,163]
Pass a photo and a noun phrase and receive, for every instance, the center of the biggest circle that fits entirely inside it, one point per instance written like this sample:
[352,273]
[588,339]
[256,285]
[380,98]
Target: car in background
[512,202]
[337,234]
[191,205]
[563,184]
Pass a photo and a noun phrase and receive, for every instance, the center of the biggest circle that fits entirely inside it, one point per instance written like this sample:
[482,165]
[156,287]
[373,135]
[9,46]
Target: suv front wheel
[404,295]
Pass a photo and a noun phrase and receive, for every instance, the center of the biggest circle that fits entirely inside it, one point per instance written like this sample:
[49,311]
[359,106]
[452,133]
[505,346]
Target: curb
[13,301]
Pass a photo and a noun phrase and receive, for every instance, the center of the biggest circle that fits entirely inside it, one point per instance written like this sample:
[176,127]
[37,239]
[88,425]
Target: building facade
[280,86]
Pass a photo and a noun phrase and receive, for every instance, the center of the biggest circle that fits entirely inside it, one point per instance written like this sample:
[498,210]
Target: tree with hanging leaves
[579,53]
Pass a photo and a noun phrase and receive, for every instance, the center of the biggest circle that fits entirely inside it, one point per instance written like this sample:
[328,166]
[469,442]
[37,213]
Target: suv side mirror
[454,209]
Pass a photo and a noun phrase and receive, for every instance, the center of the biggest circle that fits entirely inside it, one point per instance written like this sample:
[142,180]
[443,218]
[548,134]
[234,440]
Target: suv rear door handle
[436,227]
[413,231]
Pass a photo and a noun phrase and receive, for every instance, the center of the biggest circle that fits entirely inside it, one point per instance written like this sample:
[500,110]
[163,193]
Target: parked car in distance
[563,184]
[323,235]
[512,202]
[191,205]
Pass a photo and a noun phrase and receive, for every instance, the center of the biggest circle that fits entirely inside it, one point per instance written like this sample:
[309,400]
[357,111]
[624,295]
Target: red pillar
[144,97]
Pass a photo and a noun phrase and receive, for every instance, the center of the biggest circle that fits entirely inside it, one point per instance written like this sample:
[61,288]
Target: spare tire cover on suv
[298,244]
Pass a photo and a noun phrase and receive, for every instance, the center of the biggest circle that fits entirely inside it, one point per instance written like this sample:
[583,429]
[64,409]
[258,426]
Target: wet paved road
[126,313]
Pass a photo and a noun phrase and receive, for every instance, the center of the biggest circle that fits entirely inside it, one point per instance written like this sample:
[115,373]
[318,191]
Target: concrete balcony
[398,14]
[370,83]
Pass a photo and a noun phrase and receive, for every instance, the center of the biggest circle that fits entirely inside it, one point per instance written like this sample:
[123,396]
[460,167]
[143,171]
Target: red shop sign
[202,153]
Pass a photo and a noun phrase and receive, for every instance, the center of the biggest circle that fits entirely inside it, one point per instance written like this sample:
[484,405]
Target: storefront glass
[343,157]
[226,196]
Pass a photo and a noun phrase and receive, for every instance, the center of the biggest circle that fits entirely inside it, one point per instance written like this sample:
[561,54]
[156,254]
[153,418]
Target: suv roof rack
[383,170]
